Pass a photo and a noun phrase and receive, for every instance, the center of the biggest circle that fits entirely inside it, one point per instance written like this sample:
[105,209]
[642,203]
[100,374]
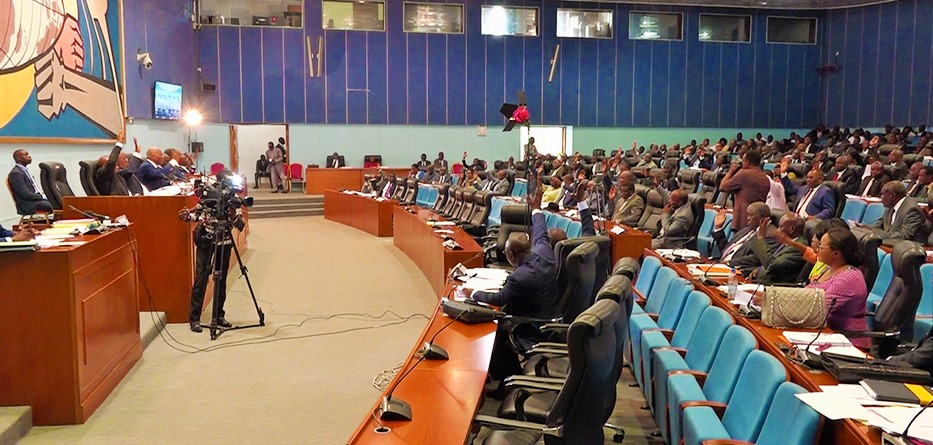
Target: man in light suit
[871,185]
[443,177]
[738,250]
[902,218]
[501,187]
[844,174]
[676,220]
[780,263]
[814,201]
[629,207]
[26,192]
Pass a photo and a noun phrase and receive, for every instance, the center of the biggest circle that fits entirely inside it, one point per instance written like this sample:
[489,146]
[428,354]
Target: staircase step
[15,422]
[286,213]
[298,200]
[150,324]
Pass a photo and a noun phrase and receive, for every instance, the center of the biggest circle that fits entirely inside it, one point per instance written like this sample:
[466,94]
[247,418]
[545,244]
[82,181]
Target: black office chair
[894,317]
[599,152]
[86,173]
[603,259]
[401,185]
[585,399]
[697,204]
[442,196]
[839,189]
[868,244]
[651,218]
[469,197]
[411,191]
[54,178]
[689,179]
[710,186]
[475,225]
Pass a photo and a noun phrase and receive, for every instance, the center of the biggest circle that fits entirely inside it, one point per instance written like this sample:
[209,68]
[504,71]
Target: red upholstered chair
[296,175]
[217,167]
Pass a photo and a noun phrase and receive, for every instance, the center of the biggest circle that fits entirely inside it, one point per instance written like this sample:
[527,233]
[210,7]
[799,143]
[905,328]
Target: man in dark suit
[902,219]
[676,220]
[424,162]
[501,185]
[7,236]
[335,161]
[871,185]
[529,291]
[175,158]
[737,251]
[844,174]
[151,172]
[920,187]
[386,187]
[896,165]
[106,179]
[443,177]
[780,263]
[26,192]
[920,357]
[814,201]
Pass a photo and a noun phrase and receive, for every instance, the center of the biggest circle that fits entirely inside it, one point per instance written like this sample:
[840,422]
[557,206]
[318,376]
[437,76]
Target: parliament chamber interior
[496,222]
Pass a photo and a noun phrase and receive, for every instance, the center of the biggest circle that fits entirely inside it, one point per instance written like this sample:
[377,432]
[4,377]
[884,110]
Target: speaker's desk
[69,328]
[166,249]
[344,178]
[365,213]
[424,245]
[841,432]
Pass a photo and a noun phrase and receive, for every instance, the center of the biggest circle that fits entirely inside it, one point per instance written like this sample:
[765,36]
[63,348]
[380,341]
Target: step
[266,205]
[285,209]
[150,324]
[299,199]
[286,213]
[15,422]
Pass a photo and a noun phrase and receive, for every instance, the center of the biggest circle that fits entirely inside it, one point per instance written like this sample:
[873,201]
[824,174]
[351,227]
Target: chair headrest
[907,256]
[709,178]
[697,201]
[614,288]
[586,252]
[601,315]
[627,267]
[655,199]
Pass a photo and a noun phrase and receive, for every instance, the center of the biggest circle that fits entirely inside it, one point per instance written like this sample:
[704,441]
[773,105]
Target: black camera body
[220,203]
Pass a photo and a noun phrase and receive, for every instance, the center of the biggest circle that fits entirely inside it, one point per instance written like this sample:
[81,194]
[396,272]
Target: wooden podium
[166,249]
[69,328]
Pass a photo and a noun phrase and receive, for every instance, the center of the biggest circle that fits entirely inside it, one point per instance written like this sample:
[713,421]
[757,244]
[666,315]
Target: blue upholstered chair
[520,188]
[495,212]
[665,317]
[678,337]
[742,418]
[700,350]
[715,386]
[873,213]
[882,281]
[649,268]
[924,321]
[563,223]
[854,210]
[705,237]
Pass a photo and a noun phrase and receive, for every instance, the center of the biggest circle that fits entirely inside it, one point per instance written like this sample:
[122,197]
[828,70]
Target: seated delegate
[26,192]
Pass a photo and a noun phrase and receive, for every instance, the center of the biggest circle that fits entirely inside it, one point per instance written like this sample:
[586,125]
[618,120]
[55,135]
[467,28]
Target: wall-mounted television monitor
[166,103]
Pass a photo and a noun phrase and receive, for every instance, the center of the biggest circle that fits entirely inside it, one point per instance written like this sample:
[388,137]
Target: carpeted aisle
[310,391]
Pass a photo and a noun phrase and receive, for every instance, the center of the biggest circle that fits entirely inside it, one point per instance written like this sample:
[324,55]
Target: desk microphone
[706,280]
[89,213]
[804,357]
[393,408]
[430,351]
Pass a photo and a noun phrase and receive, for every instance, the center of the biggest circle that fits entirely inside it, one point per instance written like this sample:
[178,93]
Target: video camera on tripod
[219,200]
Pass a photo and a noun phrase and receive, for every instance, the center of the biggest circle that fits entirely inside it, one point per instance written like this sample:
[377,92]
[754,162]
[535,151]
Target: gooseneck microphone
[430,351]
[89,213]
[393,408]
[804,356]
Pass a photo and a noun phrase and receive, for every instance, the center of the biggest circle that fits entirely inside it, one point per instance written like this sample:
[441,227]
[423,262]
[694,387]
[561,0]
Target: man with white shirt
[902,218]
[872,184]
[814,201]
[776,198]
[26,192]
[738,251]
[151,173]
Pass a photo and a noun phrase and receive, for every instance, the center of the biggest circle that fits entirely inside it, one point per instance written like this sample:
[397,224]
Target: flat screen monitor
[166,102]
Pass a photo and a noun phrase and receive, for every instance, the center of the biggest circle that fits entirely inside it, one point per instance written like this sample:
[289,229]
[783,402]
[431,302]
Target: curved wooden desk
[360,212]
[350,178]
[846,432]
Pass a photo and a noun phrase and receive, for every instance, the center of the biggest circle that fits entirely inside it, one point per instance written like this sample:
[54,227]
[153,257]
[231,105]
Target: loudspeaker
[197,147]
[208,87]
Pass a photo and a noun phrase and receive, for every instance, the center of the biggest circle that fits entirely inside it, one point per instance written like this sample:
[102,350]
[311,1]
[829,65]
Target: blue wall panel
[851,78]
[437,79]
[209,50]
[456,80]
[920,80]
[461,79]
[229,79]
[728,86]
[251,67]
[273,80]
[296,71]
[417,79]
[884,105]
[905,48]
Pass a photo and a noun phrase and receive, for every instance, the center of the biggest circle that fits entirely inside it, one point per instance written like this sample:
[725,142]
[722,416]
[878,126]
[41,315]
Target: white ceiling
[769,4]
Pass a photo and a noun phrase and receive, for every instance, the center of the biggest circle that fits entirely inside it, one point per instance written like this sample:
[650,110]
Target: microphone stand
[803,357]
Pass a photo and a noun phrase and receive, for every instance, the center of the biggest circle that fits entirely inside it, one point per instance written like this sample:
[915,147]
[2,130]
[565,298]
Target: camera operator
[216,214]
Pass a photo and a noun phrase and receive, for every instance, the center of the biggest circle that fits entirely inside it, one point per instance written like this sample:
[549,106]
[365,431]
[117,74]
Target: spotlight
[193,118]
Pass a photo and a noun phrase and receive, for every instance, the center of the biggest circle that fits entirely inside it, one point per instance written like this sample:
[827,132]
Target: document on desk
[617,230]
[859,394]
[441,223]
[804,338]
[835,406]
[488,273]
[709,270]
[169,190]
[483,284]
[895,419]
[678,253]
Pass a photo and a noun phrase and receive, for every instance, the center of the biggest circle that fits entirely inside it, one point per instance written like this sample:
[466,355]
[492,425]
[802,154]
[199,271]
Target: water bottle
[733,283]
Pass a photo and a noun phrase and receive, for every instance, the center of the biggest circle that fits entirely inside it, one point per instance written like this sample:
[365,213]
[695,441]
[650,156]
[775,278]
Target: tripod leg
[249,285]
[218,275]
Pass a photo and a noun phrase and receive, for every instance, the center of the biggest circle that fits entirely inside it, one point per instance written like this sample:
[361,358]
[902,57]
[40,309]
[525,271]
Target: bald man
[151,172]
[26,192]
[676,219]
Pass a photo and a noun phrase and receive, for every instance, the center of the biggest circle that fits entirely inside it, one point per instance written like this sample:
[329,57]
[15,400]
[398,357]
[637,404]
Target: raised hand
[535,200]
[720,219]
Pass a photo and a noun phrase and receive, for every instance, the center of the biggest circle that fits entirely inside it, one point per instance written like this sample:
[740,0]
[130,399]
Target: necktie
[732,248]
[868,187]
[802,207]
[336,162]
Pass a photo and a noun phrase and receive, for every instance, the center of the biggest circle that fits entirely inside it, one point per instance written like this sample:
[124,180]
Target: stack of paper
[804,338]
[16,246]
[678,253]
[709,270]
[441,223]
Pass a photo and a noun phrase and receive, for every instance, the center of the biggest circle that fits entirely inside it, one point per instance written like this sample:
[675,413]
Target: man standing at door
[277,163]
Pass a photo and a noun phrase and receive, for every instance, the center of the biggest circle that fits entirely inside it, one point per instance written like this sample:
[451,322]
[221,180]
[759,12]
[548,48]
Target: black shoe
[222,322]
[195,326]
